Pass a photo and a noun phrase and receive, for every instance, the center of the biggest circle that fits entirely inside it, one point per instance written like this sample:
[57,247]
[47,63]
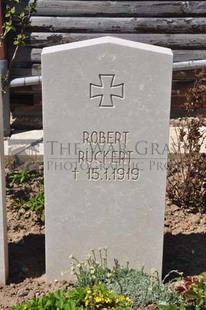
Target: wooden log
[123,25]
[176,85]
[186,55]
[181,85]
[185,75]
[30,55]
[33,70]
[25,56]
[178,89]
[22,90]
[174,41]
[120,8]
[20,69]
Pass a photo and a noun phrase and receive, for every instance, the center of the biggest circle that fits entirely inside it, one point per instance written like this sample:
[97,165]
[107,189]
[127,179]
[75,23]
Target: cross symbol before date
[107,90]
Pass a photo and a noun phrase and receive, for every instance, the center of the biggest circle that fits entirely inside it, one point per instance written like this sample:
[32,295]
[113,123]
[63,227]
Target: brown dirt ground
[184,247]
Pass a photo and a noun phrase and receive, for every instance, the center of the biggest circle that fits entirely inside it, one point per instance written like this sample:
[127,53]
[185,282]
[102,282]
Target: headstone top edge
[106,40]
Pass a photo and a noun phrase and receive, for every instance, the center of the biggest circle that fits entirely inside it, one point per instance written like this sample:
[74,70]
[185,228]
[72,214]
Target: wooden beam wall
[179,25]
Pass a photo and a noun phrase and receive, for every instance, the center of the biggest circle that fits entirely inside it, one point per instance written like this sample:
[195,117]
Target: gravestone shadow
[185,253]
[27,258]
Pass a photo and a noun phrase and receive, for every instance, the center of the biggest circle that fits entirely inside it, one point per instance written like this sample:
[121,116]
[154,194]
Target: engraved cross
[107,90]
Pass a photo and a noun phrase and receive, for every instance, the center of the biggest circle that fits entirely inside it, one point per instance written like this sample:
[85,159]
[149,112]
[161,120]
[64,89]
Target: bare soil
[184,245]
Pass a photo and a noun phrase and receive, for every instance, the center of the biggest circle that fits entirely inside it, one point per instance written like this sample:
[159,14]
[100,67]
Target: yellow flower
[108,301]
[89,291]
[98,299]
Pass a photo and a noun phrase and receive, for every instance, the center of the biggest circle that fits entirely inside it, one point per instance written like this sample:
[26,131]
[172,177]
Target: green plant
[144,289]
[193,293]
[99,297]
[93,270]
[33,204]
[16,23]
[23,196]
[96,297]
[186,184]
[198,292]
[57,300]
[18,177]
[36,203]
[141,288]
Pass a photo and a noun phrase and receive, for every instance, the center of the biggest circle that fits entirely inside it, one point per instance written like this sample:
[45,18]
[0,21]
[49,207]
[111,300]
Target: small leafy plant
[26,187]
[186,184]
[36,204]
[194,291]
[33,204]
[193,294]
[99,297]
[93,270]
[122,289]
[140,287]
[16,24]
[18,177]
[94,298]
[57,300]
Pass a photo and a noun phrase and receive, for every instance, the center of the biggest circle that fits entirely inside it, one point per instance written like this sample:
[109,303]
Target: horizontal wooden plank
[186,55]
[32,70]
[30,55]
[177,85]
[128,25]
[181,85]
[120,8]
[184,75]
[35,69]
[174,41]
[25,56]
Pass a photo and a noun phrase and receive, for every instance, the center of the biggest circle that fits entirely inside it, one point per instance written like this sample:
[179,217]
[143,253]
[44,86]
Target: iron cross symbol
[107,90]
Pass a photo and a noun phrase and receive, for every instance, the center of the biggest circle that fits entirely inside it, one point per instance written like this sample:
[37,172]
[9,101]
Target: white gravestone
[106,108]
[3,222]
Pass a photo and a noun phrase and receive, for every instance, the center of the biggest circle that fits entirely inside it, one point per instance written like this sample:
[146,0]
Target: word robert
[108,137]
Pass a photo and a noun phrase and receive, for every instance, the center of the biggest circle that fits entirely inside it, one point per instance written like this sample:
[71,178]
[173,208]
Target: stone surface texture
[106,106]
